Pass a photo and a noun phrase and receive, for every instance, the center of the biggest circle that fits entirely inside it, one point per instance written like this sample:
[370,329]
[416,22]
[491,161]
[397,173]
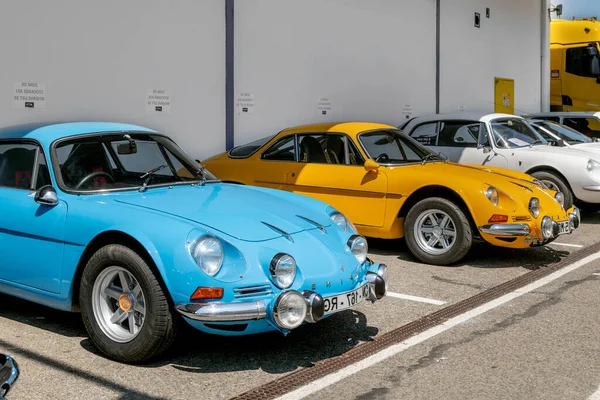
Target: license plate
[563,227]
[346,300]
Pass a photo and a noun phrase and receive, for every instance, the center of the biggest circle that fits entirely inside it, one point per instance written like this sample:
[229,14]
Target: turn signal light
[204,293]
[498,218]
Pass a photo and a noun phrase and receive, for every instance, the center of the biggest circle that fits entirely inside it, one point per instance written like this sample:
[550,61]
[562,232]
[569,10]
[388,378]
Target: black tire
[463,233]
[160,326]
[557,181]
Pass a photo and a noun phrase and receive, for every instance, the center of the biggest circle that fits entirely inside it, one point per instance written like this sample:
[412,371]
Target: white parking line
[416,298]
[396,349]
[596,273]
[595,395]
[567,244]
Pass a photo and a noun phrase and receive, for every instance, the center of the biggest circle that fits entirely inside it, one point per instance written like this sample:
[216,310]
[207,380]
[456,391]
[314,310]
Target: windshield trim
[65,189]
[537,138]
[398,132]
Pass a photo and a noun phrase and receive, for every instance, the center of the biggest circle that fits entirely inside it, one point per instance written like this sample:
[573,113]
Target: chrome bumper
[224,312]
[506,229]
[256,310]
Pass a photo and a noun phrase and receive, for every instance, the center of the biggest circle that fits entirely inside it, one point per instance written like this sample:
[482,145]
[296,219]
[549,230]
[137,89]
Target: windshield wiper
[148,175]
[535,142]
[430,156]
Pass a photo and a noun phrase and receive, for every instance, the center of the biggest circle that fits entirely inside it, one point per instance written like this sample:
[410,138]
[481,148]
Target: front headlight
[208,253]
[359,247]
[283,270]
[340,220]
[492,195]
[534,207]
[592,165]
[560,198]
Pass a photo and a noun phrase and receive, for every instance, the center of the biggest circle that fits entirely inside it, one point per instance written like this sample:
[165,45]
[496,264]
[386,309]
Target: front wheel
[124,309]
[554,182]
[437,231]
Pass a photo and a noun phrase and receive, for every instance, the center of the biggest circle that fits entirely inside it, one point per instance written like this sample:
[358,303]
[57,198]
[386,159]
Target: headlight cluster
[283,270]
[344,223]
[208,253]
[359,247]
[534,207]
[492,195]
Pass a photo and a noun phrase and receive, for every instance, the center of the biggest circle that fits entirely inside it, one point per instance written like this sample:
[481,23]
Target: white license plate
[563,227]
[346,300]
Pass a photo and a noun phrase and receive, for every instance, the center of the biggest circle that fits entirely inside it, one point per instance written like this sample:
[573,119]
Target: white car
[564,136]
[509,141]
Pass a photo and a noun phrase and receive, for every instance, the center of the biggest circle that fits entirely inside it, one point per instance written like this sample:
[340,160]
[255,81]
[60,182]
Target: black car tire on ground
[463,239]
[160,326]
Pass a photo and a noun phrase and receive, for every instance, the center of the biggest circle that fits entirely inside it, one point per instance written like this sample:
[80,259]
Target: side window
[282,150]
[426,134]
[314,148]
[484,138]
[339,149]
[579,61]
[459,134]
[16,165]
[43,177]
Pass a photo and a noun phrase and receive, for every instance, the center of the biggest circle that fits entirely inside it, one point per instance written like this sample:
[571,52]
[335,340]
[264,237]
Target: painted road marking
[595,395]
[415,298]
[567,244]
[596,273]
[396,349]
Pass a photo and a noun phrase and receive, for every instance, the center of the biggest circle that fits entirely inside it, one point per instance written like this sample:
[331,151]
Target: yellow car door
[331,169]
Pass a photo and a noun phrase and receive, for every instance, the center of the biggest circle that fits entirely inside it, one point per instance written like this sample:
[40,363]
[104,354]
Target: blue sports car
[117,222]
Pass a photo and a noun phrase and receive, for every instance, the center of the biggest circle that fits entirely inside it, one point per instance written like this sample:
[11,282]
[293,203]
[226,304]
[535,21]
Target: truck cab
[575,65]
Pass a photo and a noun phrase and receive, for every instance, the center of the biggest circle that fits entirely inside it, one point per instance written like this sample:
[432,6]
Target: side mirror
[46,195]
[486,149]
[560,143]
[371,166]
[9,372]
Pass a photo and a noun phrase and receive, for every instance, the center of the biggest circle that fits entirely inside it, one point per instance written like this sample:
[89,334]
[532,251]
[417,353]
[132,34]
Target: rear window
[247,150]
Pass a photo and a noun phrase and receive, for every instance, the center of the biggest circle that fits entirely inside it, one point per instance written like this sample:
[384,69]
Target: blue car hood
[236,210]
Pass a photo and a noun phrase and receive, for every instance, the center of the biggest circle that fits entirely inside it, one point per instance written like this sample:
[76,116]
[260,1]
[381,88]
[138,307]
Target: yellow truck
[575,65]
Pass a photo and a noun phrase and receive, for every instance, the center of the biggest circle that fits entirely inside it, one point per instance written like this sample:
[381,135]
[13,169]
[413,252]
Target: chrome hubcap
[435,232]
[118,304]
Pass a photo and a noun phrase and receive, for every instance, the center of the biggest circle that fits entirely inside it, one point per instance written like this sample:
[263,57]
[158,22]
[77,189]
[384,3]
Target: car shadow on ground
[198,352]
[481,255]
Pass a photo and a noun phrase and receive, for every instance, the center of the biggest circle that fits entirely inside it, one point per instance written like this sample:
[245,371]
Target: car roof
[348,127]
[563,114]
[47,132]
[457,116]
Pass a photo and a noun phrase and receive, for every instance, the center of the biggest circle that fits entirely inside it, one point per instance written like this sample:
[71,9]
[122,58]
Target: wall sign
[324,107]
[158,101]
[462,108]
[407,111]
[29,95]
[244,103]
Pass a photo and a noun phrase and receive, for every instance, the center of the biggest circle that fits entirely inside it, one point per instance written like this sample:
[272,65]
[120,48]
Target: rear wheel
[437,231]
[124,309]
[554,182]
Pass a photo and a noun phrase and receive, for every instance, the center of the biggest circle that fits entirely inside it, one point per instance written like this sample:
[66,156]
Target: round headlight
[547,228]
[560,198]
[359,247]
[283,270]
[208,253]
[340,220]
[534,207]
[492,195]
[592,165]
[289,310]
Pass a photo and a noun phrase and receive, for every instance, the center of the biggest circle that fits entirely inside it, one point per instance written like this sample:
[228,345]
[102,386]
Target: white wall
[508,45]
[98,59]
[370,58]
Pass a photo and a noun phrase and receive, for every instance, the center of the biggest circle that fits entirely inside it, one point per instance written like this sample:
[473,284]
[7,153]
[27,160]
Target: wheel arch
[552,170]
[438,191]
[120,238]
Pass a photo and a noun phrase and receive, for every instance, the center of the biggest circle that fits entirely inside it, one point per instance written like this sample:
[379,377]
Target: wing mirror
[9,372]
[46,195]
[371,166]
[486,149]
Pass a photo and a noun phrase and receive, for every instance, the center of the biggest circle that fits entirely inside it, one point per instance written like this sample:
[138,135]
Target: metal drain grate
[301,377]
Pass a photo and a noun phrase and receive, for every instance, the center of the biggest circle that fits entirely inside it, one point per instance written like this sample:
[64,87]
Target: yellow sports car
[390,186]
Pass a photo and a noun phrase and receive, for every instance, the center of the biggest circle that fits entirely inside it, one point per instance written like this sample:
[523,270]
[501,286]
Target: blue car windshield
[124,161]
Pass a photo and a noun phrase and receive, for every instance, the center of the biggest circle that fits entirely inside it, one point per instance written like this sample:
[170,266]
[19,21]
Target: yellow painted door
[504,95]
